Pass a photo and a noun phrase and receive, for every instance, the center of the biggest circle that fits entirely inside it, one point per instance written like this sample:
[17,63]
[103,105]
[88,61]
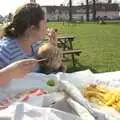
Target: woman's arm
[16,70]
[4,77]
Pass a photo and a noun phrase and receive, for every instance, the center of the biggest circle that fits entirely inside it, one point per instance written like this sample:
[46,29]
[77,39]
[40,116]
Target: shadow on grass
[79,67]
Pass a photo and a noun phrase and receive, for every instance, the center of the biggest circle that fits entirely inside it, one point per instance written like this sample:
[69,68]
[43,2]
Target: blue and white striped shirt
[11,51]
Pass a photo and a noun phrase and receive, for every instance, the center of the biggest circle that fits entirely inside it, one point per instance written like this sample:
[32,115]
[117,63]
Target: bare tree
[87,10]
[94,10]
[10,17]
[92,4]
[70,10]
[32,1]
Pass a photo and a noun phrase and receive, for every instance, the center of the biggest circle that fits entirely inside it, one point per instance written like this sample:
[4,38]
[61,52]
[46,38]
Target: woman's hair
[29,14]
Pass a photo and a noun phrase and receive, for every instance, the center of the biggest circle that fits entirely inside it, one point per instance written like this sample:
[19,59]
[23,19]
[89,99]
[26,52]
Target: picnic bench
[66,42]
[72,52]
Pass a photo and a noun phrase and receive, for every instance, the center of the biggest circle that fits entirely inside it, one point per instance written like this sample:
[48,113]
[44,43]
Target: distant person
[98,19]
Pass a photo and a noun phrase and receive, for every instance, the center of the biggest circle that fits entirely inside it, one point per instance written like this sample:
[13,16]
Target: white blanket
[58,106]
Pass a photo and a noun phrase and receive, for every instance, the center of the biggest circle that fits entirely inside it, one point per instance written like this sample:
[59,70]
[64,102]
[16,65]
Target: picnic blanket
[63,101]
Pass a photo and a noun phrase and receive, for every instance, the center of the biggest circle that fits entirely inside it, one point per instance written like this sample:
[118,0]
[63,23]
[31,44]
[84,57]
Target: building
[60,13]
[56,13]
[107,11]
[32,1]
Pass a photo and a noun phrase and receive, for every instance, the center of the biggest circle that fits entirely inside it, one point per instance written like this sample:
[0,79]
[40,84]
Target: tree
[87,10]
[10,17]
[94,10]
[70,10]
[92,4]
[32,1]
[1,19]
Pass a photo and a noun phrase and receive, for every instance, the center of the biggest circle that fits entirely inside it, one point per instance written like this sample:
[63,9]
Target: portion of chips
[101,95]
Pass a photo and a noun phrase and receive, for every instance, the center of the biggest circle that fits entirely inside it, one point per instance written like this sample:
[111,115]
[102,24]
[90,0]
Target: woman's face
[38,33]
[42,29]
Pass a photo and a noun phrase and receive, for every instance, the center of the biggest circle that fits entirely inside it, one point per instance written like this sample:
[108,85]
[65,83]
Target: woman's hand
[17,69]
[21,68]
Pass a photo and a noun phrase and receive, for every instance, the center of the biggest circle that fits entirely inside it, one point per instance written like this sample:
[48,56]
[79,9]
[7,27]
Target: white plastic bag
[80,110]
[79,79]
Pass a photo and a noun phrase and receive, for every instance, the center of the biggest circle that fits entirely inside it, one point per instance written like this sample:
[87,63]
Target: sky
[7,6]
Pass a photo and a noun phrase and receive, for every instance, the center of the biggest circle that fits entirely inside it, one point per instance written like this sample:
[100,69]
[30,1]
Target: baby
[54,63]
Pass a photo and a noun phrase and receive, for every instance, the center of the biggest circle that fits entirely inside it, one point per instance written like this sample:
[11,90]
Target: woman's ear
[30,31]
[27,32]
[32,28]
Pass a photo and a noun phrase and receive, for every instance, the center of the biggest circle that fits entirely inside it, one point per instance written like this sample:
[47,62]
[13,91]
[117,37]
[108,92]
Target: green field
[100,45]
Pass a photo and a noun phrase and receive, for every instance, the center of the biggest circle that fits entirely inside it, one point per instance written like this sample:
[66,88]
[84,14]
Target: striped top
[10,51]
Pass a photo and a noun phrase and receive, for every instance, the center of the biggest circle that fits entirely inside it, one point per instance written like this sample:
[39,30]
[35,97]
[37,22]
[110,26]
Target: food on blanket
[28,93]
[22,96]
[5,103]
[102,95]
[51,82]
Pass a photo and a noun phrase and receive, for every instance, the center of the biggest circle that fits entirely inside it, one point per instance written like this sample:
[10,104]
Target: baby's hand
[52,34]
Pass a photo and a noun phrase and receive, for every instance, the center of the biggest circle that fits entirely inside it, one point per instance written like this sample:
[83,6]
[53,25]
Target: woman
[27,27]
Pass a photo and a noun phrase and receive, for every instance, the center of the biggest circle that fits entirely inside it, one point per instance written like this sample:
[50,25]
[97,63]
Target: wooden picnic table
[66,42]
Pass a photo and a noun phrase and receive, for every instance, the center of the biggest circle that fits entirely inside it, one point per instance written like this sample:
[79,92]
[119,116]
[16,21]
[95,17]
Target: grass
[100,45]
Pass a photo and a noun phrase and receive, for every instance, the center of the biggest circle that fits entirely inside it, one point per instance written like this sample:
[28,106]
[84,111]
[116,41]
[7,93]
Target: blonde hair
[53,53]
